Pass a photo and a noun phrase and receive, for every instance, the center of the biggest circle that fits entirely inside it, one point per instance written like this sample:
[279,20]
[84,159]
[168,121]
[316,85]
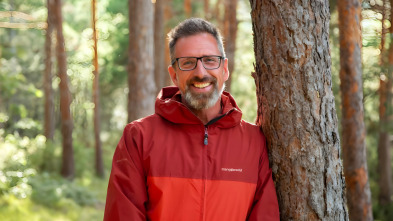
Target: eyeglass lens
[189,63]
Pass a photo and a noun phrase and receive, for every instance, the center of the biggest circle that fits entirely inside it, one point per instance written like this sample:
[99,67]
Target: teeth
[201,85]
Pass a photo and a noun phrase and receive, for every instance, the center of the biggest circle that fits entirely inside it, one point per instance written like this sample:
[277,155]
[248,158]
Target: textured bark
[160,69]
[296,107]
[230,32]
[67,169]
[49,114]
[141,84]
[96,98]
[187,8]
[353,128]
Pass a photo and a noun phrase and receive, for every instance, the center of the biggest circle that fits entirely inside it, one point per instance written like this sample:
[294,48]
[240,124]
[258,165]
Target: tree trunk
[160,70]
[168,14]
[230,32]
[384,155]
[67,169]
[49,115]
[187,8]
[217,13]
[206,9]
[296,107]
[96,95]
[383,33]
[354,131]
[141,84]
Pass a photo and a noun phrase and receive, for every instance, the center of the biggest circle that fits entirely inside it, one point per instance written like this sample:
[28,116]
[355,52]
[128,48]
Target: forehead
[196,46]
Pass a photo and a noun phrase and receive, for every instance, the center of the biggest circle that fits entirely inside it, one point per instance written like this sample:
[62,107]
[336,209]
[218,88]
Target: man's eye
[188,62]
[210,60]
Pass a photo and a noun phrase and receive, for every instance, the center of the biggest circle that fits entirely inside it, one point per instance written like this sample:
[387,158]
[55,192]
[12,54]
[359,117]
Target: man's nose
[200,70]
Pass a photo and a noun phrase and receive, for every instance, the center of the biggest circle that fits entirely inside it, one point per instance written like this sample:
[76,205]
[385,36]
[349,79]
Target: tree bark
[160,70]
[296,107]
[141,84]
[230,32]
[99,165]
[67,169]
[49,114]
[353,128]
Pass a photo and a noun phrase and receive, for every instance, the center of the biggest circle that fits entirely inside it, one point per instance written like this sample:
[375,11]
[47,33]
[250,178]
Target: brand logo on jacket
[232,170]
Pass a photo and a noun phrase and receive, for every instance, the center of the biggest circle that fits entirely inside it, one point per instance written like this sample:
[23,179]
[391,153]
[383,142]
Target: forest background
[31,184]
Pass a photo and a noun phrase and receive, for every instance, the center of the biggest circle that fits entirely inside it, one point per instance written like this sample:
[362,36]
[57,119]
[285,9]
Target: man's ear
[226,70]
[172,74]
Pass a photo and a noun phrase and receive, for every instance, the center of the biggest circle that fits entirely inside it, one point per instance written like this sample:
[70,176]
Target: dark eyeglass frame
[196,63]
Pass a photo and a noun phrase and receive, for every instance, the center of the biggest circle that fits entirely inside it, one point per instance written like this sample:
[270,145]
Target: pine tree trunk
[230,32]
[67,169]
[160,70]
[96,99]
[168,14]
[141,84]
[354,131]
[206,9]
[187,8]
[296,107]
[49,115]
[384,153]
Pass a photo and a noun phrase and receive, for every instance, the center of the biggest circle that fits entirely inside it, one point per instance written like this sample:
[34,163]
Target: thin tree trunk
[383,32]
[206,9]
[354,131]
[67,169]
[49,119]
[230,32]
[384,153]
[160,70]
[187,8]
[141,84]
[96,99]
[296,107]
[167,16]
[217,13]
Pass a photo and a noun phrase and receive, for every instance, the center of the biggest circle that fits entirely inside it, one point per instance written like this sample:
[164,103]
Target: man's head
[197,42]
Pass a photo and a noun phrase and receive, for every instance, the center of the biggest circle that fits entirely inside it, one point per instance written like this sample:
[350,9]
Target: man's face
[201,88]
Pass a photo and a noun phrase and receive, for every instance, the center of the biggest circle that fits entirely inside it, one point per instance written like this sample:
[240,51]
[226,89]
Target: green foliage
[52,191]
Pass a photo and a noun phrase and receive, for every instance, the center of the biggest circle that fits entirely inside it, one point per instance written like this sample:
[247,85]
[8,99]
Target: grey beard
[203,101]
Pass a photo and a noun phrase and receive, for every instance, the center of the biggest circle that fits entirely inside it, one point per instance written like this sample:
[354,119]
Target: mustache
[201,80]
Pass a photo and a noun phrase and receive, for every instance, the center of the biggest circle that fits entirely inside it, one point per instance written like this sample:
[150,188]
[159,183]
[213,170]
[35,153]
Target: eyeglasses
[189,63]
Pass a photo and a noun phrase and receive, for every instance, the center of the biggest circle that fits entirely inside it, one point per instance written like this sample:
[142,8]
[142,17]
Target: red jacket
[169,166]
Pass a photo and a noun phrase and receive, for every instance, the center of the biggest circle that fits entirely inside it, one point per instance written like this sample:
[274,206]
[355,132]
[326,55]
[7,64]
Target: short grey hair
[193,26]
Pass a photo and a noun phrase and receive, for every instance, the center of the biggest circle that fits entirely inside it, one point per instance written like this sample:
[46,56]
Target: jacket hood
[169,106]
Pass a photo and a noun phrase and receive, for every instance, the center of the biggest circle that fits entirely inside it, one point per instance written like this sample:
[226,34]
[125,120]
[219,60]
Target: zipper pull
[205,141]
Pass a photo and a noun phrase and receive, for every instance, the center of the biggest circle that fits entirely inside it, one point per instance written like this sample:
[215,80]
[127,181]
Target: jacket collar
[169,106]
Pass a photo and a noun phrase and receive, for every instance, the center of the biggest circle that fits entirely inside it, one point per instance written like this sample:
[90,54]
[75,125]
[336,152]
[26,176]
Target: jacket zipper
[204,173]
[205,140]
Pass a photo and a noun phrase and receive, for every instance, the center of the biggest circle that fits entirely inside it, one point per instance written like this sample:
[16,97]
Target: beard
[199,101]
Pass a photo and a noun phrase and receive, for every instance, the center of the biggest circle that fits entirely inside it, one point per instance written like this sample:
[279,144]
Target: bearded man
[194,159]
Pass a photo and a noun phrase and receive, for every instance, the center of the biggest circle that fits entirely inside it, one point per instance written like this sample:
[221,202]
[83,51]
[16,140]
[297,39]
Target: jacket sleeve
[265,205]
[127,194]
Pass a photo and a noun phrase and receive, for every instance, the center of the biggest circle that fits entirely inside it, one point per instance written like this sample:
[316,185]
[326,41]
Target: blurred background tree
[30,184]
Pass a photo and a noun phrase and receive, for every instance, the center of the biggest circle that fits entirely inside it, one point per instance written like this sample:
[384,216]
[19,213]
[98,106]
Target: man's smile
[201,84]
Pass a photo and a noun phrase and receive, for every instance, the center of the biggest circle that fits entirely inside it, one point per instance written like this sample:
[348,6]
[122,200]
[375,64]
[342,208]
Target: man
[194,159]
